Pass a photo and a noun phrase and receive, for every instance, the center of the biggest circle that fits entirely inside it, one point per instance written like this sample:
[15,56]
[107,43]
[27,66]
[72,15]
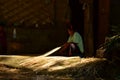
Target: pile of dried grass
[74,67]
[57,67]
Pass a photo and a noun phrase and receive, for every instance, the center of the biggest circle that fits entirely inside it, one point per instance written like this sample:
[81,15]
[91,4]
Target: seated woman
[74,45]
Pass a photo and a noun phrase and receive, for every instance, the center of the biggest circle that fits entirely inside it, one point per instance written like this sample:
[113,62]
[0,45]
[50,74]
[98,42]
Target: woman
[74,45]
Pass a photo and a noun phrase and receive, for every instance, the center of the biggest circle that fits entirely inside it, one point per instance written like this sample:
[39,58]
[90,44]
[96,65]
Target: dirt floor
[51,68]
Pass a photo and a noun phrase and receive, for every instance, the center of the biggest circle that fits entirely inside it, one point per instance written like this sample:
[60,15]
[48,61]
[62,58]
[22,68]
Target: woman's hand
[64,47]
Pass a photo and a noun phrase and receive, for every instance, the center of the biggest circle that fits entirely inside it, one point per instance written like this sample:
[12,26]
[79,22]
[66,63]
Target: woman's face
[70,32]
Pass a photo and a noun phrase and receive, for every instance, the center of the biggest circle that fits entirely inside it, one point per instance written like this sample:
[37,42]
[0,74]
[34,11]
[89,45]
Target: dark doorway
[95,23]
[77,15]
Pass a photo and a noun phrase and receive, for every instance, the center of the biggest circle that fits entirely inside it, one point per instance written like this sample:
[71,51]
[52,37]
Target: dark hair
[69,26]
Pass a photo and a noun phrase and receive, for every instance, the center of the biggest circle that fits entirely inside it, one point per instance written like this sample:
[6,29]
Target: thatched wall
[32,12]
[39,24]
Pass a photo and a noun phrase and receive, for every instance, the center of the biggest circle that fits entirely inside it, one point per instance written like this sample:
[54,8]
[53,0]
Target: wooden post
[88,28]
